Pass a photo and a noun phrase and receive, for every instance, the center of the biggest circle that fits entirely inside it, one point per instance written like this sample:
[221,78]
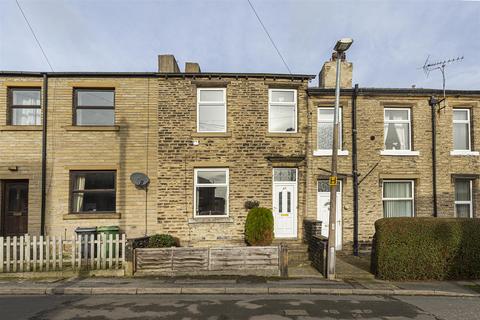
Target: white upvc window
[211,110]
[282,110]
[461,130]
[325,131]
[397,129]
[211,192]
[463,198]
[398,198]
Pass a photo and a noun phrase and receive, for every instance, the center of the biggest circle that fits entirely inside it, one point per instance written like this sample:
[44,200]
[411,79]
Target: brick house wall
[21,147]
[370,135]
[155,131]
[243,150]
[128,146]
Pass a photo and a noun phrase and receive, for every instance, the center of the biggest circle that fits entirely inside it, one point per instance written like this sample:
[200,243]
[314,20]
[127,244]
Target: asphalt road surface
[213,307]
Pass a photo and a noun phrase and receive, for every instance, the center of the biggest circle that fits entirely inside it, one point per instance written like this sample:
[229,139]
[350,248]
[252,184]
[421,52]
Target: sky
[392,39]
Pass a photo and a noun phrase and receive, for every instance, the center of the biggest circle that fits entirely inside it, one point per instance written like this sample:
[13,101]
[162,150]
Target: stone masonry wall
[127,147]
[418,168]
[243,150]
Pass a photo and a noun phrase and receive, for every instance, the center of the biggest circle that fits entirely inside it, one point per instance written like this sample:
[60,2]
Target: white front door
[323,210]
[285,203]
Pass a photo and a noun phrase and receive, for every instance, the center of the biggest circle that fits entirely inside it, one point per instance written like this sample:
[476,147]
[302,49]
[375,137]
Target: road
[210,307]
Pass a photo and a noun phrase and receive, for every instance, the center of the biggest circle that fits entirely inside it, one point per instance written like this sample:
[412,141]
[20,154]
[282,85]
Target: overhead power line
[33,33]
[269,37]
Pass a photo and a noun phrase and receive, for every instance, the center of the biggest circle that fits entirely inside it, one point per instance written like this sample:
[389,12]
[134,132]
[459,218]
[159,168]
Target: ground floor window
[93,191]
[398,199]
[463,198]
[211,192]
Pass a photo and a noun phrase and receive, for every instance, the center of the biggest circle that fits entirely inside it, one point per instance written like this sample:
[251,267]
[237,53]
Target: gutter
[355,170]
[44,154]
[208,75]
[392,92]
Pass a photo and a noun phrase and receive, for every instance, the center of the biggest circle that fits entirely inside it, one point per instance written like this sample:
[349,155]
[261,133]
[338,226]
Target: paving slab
[161,290]
[190,290]
[292,290]
[447,286]
[246,290]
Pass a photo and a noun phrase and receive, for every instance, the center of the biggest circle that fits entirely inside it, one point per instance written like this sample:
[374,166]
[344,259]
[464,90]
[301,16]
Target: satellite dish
[139,179]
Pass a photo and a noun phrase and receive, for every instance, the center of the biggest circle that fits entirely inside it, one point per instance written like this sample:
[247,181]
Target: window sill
[211,135]
[399,153]
[81,216]
[210,220]
[329,152]
[464,153]
[284,134]
[20,128]
[92,128]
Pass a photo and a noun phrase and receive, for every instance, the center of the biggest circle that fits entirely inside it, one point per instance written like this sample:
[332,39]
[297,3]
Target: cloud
[392,38]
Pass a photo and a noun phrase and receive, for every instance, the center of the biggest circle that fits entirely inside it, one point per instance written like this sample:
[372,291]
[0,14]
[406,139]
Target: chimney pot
[167,64]
[192,67]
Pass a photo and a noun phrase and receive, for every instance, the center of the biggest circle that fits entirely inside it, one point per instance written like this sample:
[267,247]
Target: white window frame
[464,202]
[270,103]
[406,152]
[210,103]
[469,132]
[412,182]
[328,152]
[196,184]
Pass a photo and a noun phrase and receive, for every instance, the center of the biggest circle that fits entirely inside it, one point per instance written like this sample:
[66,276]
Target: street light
[341,46]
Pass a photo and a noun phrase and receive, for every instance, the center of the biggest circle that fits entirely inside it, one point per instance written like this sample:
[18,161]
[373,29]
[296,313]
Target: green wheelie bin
[109,230]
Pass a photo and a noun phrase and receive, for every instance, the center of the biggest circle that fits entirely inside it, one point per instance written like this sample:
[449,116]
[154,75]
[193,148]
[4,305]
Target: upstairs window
[94,107]
[461,130]
[93,191]
[325,128]
[398,198]
[397,129]
[211,192]
[25,107]
[211,110]
[463,198]
[282,110]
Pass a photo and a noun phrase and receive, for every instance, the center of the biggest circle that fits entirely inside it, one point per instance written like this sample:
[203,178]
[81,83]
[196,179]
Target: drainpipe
[433,104]
[44,154]
[355,170]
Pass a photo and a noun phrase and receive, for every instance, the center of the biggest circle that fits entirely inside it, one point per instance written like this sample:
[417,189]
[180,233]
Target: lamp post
[341,46]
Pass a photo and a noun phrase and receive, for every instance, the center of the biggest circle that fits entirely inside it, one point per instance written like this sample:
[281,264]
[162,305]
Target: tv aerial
[439,65]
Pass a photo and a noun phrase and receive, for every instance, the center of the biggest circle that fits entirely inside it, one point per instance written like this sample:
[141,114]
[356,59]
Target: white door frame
[294,233]
[339,225]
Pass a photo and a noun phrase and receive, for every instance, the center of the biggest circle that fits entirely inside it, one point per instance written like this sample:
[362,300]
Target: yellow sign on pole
[333,181]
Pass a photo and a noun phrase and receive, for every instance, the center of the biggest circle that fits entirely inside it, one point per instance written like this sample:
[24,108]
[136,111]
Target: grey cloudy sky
[392,38]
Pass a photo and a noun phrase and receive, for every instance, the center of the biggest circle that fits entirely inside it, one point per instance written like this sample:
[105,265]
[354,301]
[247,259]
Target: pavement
[226,307]
[236,285]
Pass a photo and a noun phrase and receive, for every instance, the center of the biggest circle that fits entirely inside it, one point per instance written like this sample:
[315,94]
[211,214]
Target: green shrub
[426,249]
[162,241]
[259,227]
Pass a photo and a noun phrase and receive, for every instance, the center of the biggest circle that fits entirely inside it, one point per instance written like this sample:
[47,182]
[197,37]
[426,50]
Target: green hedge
[259,227]
[162,241]
[426,249]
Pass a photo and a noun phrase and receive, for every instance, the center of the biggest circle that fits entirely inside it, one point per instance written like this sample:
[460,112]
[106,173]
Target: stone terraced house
[211,141]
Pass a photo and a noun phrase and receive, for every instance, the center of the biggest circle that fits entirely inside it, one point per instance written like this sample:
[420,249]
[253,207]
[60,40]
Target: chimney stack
[192,67]
[328,74]
[167,64]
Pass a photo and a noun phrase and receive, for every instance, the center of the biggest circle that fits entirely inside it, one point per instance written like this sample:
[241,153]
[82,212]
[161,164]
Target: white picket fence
[81,252]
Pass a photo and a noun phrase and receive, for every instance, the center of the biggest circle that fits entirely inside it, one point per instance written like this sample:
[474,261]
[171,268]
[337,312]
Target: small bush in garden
[250,204]
[427,248]
[162,241]
[259,227]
